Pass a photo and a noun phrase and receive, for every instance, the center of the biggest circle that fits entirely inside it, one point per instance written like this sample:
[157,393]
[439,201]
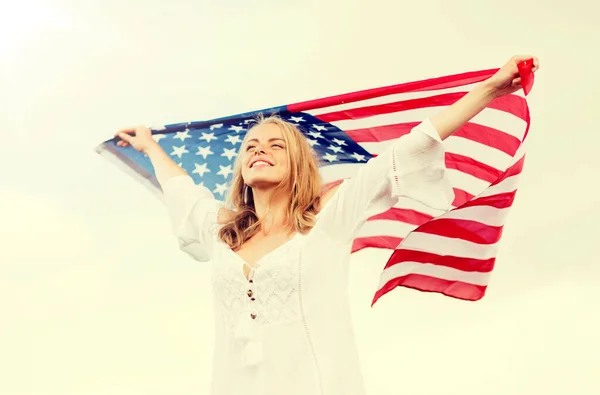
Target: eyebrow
[271,139]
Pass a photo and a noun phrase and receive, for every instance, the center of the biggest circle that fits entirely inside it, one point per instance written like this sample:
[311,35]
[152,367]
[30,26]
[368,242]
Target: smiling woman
[283,247]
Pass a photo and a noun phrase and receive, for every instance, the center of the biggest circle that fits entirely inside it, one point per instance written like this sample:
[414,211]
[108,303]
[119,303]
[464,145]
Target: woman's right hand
[139,137]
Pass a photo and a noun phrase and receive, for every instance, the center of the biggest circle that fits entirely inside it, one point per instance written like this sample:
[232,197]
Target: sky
[95,297]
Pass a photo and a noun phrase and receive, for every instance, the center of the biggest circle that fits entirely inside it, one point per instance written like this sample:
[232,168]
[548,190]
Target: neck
[271,208]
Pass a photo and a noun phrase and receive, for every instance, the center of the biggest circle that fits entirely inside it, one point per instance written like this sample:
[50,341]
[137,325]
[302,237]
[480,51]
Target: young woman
[280,252]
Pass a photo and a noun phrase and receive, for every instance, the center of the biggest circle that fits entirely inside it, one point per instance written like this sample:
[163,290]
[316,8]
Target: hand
[507,80]
[139,137]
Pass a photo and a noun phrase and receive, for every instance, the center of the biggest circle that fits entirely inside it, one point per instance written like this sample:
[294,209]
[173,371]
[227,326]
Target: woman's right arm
[140,138]
[193,210]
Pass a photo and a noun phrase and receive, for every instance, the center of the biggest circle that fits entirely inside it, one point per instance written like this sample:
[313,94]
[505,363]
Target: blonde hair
[303,184]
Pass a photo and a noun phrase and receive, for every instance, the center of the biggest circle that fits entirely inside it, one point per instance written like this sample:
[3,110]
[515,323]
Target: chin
[263,182]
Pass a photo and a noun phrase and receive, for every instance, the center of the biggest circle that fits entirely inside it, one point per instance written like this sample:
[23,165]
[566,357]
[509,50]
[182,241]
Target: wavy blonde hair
[303,184]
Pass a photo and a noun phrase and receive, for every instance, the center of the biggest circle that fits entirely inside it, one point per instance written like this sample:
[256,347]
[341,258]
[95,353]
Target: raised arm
[193,210]
[505,81]
[141,139]
[414,165]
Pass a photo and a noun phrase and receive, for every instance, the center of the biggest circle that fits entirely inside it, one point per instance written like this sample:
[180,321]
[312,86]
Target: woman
[280,253]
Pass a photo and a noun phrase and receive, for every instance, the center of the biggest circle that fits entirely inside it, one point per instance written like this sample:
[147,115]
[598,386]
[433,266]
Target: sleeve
[413,167]
[193,213]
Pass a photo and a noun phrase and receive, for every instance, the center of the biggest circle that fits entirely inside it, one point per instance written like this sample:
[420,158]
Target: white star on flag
[334,148]
[225,171]
[216,126]
[315,134]
[236,128]
[204,151]
[319,127]
[229,153]
[182,135]
[208,137]
[179,151]
[339,142]
[330,157]
[297,119]
[220,189]
[312,142]
[358,157]
[201,169]
[233,139]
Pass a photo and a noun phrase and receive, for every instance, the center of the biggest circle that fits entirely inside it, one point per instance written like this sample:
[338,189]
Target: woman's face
[264,157]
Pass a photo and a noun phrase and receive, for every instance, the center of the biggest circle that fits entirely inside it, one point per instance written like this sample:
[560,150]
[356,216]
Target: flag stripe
[489,117]
[459,263]
[414,86]
[452,288]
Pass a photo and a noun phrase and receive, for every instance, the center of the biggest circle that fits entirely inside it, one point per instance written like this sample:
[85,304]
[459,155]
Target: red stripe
[473,231]
[516,105]
[408,216]
[460,263]
[500,200]
[489,136]
[513,170]
[471,131]
[512,103]
[453,289]
[472,167]
[449,81]
[387,242]
[445,99]
[461,197]
[377,134]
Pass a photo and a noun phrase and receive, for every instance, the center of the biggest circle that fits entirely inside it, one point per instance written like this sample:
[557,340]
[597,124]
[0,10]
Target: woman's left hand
[507,80]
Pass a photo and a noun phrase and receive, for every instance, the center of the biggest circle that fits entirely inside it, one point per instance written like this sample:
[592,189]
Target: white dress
[289,331]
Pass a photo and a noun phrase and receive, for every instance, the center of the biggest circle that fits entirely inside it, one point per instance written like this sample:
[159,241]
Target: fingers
[516,82]
[520,58]
[125,139]
[125,134]
[536,64]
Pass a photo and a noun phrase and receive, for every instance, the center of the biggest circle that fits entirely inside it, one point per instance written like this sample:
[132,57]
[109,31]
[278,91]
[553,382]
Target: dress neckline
[262,258]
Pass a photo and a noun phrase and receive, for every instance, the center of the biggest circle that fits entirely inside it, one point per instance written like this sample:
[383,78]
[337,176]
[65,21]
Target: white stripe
[449,246]
[457,145]
[443,272]
[394,98]
[493,216]
[410,204]
[339,171]
[490,117]
[466,182]
[509,184]
[385,227]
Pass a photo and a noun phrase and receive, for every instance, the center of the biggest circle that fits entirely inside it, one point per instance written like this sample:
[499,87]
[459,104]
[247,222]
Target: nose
[259,150]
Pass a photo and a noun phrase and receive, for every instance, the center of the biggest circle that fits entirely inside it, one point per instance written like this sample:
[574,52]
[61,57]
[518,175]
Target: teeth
[261,162]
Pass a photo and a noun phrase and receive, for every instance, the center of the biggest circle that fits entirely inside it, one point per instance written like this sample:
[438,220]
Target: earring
[245,194]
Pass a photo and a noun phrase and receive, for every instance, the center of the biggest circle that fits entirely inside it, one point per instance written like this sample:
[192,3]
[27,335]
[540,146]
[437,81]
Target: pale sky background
[95,297]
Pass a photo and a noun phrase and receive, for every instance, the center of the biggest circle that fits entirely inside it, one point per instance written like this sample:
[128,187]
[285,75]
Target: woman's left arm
[413,166]
[505,81]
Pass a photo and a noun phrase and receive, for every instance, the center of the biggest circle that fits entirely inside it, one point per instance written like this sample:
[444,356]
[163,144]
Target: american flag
[451,252]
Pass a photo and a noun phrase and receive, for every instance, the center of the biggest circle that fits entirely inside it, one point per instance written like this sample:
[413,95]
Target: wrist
[151,148]
[486,90]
